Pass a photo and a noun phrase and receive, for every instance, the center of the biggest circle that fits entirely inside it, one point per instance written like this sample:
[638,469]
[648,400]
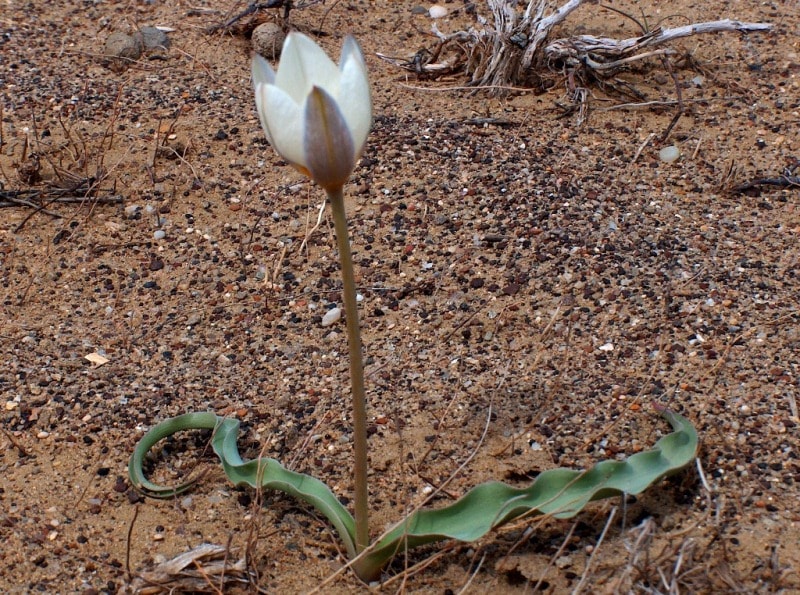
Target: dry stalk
[512,47]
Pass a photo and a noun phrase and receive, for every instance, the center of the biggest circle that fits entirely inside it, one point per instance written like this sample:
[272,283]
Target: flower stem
[336,197]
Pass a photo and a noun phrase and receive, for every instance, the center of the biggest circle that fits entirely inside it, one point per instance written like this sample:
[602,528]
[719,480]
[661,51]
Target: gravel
[512,267]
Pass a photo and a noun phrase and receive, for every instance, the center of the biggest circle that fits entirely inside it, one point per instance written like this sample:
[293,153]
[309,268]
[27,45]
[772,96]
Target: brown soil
[495,259]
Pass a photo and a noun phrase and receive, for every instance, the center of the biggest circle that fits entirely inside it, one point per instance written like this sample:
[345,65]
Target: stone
[268,40]
[120,50]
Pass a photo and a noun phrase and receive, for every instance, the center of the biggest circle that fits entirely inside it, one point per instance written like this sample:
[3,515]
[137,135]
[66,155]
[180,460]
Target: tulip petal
[282,120]
[354,94]
[262,117]
[351,50]
[329,150]
[262,72]
[303,65]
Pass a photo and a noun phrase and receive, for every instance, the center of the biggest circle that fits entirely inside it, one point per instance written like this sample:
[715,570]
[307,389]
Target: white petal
[330,155]
[262,71]
[262,112]
[354,97]
[303,65]
[282,118]
[351,51]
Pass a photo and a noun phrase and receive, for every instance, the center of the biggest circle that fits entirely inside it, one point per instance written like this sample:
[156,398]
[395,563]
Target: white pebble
[131,211]
[437,12]
[331,316]
[159,234]
[669,154]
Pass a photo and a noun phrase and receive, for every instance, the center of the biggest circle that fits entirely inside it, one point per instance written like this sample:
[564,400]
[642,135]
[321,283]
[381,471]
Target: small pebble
[152,38]
[437,12]
[159,234]
[669,154]
[131,211]
[331,316]
[268,40]
[121,49]
[564,562]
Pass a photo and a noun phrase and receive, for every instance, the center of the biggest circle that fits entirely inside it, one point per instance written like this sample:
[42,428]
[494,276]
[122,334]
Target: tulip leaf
[262,472]
[561,493]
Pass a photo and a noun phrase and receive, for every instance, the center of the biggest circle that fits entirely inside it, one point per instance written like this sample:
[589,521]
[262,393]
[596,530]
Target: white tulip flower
[315,115]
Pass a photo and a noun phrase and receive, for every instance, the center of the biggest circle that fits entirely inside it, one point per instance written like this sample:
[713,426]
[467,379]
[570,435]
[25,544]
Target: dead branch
[198,570]
[601,53]
[512,49]
[782,182]
[28,198]
[787,180]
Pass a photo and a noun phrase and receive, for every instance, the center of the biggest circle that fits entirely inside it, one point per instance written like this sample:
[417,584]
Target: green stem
[356,369]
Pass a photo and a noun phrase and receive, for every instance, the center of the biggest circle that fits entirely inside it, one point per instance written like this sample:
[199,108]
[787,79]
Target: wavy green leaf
[561,493]
[261,472]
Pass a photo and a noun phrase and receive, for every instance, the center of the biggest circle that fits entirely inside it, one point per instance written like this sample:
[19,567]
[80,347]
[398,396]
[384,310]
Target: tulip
[315,115]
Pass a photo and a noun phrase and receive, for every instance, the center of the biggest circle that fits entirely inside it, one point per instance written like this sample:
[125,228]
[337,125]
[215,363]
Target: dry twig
[512,48]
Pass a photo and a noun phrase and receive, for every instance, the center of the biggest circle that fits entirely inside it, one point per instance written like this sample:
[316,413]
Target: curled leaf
[261,472]
[561,493]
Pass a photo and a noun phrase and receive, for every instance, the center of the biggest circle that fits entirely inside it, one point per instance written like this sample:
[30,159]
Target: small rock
[437,12]
[153,39]
[669,154]
[132,211]
[332,316]
[268,40]
[121,49]
[564,562]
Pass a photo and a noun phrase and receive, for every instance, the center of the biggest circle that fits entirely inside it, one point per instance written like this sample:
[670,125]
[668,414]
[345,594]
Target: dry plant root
[513,49]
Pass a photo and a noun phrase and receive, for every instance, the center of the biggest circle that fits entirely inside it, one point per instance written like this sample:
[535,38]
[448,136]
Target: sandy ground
[559,277]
